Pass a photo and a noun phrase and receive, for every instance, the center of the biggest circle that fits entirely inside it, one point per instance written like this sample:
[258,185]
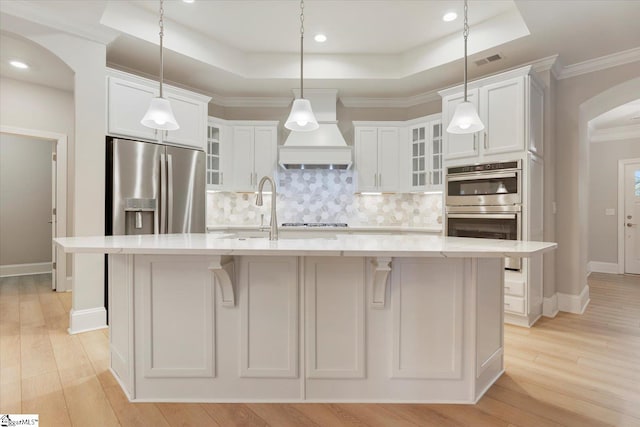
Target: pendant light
[160,115]
[301,117]
[465,118]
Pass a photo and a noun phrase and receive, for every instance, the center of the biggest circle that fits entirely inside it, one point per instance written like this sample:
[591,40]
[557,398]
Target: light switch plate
[610,211]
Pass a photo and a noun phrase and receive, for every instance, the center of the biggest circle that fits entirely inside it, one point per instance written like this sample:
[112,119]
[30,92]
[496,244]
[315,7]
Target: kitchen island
[220,318]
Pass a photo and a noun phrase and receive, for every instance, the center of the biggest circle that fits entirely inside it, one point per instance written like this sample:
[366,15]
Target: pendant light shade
[301,118]
[160,115]
[465,117]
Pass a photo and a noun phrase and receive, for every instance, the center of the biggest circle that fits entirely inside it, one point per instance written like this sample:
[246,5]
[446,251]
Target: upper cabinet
[377,159]
[219,155]
[510,106]
[425,154]
[254,154]
[128,98]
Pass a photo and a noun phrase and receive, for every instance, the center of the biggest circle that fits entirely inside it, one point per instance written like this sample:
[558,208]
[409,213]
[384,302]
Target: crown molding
[245,101]
[615,134]
[550,63]
[405,102]
[602,63]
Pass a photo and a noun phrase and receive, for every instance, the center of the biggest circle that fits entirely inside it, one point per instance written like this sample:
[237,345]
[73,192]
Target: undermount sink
[283,236]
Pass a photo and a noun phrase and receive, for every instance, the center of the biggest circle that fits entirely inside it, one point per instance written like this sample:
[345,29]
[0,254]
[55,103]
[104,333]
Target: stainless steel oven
[489,184]
[487,222]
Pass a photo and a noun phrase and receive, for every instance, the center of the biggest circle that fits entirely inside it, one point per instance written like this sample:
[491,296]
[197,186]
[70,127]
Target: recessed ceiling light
[188,1]
[449,16]
[19,64]
[320,38]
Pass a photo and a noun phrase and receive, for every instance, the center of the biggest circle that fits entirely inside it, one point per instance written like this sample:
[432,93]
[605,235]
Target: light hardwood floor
[568,371]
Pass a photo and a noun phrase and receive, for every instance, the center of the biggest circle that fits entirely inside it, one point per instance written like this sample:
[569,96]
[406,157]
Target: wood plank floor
[568,371]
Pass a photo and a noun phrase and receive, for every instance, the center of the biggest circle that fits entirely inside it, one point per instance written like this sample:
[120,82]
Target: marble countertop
[351,228]
[338,245]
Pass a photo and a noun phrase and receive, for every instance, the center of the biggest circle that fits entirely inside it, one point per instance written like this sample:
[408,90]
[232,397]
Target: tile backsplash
[325,196]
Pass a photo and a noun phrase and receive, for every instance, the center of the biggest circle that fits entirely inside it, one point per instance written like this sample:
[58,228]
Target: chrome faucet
[273,230]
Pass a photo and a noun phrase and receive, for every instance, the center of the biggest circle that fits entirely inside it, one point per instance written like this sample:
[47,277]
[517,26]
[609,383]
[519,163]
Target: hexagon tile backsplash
[325,196]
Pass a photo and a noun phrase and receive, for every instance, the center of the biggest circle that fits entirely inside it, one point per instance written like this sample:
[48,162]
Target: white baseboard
[550,306]
[602,267]
[87,320]
[574,303]
[25,269]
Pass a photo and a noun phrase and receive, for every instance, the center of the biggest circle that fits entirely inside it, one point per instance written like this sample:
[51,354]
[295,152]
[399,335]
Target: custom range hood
[323,148]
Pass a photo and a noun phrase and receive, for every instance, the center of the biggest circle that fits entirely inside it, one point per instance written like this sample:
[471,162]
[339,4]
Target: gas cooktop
[314,224]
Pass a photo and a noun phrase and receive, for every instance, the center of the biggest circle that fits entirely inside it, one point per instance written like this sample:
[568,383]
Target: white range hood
[323,148]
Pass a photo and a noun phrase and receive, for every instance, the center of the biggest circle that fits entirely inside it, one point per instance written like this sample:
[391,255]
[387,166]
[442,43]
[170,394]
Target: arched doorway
[588,111]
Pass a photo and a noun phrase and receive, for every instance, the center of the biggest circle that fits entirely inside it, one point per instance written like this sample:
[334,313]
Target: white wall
[603,194]
[25,200]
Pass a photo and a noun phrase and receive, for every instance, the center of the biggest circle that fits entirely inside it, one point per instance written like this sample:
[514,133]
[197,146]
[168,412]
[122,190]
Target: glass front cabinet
[425,150]
[218,155]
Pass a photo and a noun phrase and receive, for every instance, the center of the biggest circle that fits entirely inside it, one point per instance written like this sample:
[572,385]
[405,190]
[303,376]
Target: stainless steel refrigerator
[154,188]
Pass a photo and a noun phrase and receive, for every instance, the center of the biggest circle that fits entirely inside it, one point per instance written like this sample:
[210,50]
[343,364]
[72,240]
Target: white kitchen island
[216,318]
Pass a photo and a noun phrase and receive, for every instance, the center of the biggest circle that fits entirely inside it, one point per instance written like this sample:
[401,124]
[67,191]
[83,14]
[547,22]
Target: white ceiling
[382,48]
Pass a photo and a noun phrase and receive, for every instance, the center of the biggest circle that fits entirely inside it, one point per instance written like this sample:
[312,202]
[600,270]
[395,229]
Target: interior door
[632,218]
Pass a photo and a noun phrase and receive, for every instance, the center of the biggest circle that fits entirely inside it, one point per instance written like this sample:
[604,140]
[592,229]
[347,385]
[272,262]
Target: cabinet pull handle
[221,178]
[251,178]
[485,141]
[430,179]
[375,179]
[380,179]
[475,147]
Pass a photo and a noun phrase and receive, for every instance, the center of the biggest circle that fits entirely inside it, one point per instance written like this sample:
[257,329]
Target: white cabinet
[191,115]
[254,155]
[510,106]
[219,155]
[377,153]
[425,156]
[128,98]
[127,102]
[458,146]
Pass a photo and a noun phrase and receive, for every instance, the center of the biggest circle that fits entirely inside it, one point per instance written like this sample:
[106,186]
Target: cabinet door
[243,169]
[219,157]
[127,104]
[502,112]
[458,146]
[366,144]
[418,136]
[388,160]
[191,115]
[265,152]
[435,165]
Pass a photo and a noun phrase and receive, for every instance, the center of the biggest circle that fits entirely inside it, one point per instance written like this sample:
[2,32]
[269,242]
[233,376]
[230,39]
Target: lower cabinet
[318,328]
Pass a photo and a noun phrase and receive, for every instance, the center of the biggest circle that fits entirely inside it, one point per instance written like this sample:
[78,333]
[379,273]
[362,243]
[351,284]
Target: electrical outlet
[610,211]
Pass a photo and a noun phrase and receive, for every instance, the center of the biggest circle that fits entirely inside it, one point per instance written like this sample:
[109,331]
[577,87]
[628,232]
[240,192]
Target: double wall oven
[485,201]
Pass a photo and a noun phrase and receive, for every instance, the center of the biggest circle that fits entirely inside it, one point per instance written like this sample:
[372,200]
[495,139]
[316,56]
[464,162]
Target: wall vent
[488,59]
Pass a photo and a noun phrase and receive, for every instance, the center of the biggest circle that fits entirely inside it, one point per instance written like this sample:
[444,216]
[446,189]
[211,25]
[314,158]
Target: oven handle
[482,175]
[483,215]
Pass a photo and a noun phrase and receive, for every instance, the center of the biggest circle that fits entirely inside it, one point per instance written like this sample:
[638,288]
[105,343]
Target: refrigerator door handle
[163,194]
[170,193]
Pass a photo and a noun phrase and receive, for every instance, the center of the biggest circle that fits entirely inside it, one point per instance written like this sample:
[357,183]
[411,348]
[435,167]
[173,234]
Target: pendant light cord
[161,50]
[465,33]
[301,48]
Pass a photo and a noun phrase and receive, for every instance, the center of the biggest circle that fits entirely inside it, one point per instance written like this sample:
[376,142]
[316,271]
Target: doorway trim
[621,203]
[62,284]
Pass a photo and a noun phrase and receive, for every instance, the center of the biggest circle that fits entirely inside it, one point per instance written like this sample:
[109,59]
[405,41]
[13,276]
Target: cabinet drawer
[514,304]
[514,287]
